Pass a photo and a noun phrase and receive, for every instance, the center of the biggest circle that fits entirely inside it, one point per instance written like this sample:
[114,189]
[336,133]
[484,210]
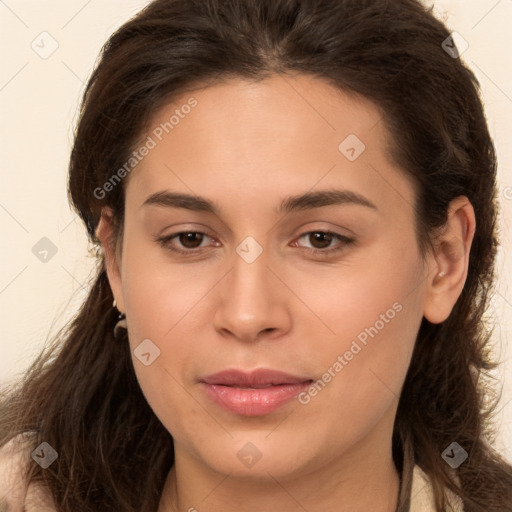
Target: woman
[295,202]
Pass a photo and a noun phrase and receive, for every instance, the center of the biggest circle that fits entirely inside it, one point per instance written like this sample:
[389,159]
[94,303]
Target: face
[329,290]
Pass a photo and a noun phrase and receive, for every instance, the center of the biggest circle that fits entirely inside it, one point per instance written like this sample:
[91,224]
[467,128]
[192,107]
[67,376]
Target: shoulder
[422,496]
[15,494]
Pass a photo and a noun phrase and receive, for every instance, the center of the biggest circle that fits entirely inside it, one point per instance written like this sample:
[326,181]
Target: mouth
[254,393]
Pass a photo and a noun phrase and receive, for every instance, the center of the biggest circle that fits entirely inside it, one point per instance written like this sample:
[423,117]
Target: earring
[441,274]
[121,323]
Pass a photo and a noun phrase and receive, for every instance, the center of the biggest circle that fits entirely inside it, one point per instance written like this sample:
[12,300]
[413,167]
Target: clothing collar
[416,491]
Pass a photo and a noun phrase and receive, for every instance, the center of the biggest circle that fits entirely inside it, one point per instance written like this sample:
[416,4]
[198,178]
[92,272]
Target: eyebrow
[307,201]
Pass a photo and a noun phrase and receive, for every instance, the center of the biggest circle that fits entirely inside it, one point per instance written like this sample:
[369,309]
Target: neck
[363,479]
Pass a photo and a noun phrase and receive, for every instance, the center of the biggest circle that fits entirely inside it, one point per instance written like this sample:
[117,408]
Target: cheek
[373,318]
[165,304]
[158,293]
[360,374]
[158,308]
[375,295]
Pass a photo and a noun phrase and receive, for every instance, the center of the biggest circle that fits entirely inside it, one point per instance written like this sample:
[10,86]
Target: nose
[252,301]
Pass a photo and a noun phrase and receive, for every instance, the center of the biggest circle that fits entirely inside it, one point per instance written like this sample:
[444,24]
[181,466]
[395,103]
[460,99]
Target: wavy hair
[81,394]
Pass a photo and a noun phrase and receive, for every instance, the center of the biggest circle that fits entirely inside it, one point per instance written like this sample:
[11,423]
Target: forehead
[279,136]
[292,106]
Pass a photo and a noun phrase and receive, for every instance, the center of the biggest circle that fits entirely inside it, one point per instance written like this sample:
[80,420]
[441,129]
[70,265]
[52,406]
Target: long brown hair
[81,395]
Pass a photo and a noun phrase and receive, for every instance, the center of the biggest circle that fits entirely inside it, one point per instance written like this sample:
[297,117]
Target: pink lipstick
[253,393]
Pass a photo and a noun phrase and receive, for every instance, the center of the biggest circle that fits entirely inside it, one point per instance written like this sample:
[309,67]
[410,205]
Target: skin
[247,146]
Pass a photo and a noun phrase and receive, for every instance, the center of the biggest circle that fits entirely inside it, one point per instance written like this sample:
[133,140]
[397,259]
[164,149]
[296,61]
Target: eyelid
[330,228]
[343,242]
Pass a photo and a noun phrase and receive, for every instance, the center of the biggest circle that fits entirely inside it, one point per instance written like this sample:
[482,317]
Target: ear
[105,234]
[450,261]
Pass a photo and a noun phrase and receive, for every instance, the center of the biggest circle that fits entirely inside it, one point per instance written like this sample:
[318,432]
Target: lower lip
[253,401]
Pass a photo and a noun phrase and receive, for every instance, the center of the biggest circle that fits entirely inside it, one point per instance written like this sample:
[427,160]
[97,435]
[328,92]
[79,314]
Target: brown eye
[184,242]
[190,240]
[321,242]
[319,239]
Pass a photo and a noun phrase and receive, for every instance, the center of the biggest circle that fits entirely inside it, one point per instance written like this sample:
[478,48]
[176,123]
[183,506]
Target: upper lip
[261,377]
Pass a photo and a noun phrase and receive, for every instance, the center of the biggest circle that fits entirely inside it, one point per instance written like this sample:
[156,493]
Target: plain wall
[39,97]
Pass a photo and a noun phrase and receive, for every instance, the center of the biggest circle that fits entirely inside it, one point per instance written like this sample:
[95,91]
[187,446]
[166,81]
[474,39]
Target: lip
[255,393]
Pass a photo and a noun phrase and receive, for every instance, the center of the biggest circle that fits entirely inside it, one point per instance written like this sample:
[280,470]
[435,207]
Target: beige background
[38,104]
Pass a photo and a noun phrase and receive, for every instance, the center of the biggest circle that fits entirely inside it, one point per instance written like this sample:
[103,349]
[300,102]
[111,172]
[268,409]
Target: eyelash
[346,241]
